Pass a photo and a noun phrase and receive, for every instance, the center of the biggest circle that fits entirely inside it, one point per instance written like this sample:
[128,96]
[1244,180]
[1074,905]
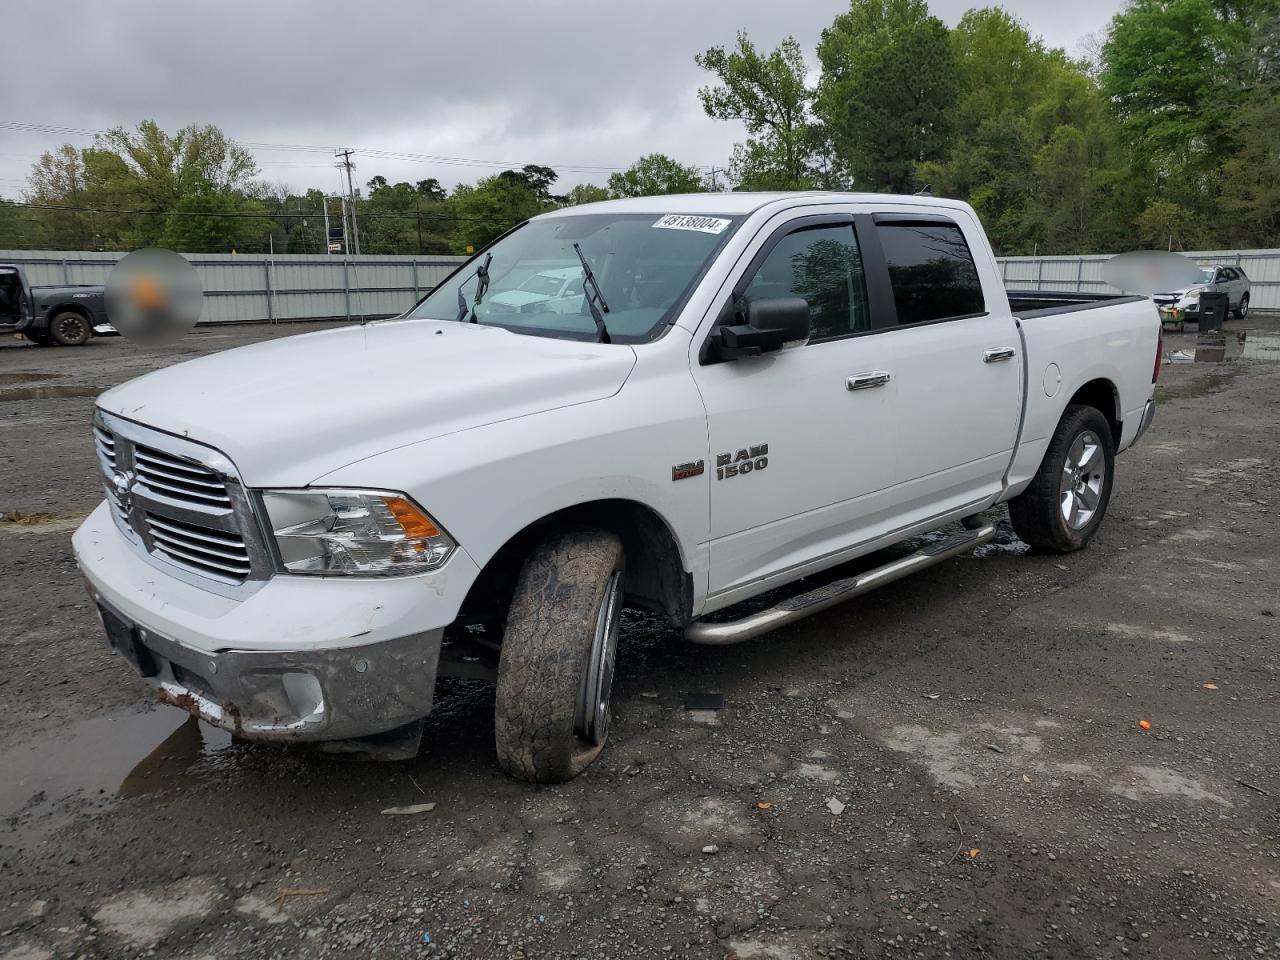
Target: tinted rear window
[931,271]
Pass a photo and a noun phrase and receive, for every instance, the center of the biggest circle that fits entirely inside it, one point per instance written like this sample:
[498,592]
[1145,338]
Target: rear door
[955,355]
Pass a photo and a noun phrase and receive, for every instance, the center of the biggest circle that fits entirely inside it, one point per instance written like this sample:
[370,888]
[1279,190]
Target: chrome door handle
[865,381]
[998,354]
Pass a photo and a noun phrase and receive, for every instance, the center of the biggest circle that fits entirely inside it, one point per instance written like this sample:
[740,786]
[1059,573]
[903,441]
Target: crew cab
[300,537]
[64,315]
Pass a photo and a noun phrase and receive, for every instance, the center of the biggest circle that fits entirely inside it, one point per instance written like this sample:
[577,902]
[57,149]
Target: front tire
[1063,507]
[70,329]
[555,676]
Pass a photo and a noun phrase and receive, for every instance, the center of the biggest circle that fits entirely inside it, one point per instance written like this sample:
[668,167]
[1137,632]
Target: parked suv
[1184,304]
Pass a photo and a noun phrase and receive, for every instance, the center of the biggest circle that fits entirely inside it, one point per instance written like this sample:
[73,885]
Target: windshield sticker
[681,221]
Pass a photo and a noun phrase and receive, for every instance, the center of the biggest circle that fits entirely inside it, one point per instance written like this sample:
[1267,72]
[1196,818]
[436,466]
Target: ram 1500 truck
[67,315]
[299,537]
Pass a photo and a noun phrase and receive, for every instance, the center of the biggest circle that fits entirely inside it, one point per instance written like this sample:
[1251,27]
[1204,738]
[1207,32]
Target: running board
[821,598]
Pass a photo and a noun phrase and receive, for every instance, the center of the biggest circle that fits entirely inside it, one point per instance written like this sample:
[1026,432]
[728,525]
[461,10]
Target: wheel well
[656,578]
[71,308]
[1103,396]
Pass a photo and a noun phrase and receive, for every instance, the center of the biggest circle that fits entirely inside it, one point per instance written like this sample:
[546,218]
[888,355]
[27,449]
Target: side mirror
[772,324]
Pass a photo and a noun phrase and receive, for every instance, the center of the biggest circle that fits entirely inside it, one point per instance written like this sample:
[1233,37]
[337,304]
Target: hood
[290,410]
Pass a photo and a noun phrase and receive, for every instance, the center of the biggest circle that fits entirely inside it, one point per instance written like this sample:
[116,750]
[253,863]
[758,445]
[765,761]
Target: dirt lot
[979,724]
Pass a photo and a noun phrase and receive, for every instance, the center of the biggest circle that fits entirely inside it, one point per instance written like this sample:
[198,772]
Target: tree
[653,175]
[888,80]
[209,220]
[496,204]
[585,193]
[1251,176]
[768,93]
[1166,79]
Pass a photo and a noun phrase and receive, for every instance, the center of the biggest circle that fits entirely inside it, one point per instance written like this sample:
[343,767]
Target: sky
[582,86]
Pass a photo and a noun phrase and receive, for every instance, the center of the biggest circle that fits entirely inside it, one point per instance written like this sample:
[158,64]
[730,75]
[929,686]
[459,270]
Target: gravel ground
[951,766]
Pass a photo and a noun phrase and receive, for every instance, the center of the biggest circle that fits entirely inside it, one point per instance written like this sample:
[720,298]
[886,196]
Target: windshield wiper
[595,299]
[482,285]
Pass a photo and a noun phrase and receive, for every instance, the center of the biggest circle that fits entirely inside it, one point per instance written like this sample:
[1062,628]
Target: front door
[799,439]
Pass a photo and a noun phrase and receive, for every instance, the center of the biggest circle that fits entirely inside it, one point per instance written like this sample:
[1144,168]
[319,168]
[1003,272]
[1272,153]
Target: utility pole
[715,184]
[345,154]
[325,203]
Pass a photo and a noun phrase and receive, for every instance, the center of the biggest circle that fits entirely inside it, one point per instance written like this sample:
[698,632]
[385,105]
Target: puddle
[48,392]
[116,755]
[8,378]
[1203,386]
[1262,346]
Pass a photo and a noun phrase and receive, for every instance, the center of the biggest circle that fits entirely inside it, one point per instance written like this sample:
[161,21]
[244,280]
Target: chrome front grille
[181,504]
[179,479]
[199,548]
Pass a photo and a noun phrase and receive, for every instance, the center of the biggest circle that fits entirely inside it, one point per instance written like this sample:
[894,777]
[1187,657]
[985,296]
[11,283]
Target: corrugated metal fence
[293,287]
[261,287]
[1084,274]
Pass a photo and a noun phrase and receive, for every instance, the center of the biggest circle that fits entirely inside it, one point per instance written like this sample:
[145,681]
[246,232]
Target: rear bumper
[1148,414]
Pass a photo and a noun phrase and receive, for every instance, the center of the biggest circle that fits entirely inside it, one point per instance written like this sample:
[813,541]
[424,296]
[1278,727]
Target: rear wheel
[70,329]
[1064,506]
[555,676]
[1242,311]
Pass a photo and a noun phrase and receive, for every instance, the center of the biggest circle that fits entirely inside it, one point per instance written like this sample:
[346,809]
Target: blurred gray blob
[1150,271]
[153,296]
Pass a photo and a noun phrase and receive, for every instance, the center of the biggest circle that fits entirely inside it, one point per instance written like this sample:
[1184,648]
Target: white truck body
[738,476]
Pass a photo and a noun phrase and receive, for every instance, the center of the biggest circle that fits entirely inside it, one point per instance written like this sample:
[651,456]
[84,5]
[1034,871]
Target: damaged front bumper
[296,658]
[332,694]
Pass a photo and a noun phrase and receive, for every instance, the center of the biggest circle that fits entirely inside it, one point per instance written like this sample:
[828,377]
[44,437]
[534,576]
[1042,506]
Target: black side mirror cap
[771,324]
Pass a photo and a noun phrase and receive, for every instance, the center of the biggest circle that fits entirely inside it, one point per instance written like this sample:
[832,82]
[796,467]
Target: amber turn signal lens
[413,521]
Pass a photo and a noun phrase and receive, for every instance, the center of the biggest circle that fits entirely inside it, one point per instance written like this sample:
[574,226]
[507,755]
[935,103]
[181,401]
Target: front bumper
[301,658]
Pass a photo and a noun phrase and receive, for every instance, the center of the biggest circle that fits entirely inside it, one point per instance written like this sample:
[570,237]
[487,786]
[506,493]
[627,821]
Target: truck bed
[1037,303]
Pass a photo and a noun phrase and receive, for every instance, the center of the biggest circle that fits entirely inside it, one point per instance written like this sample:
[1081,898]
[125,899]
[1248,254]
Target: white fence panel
[1084,274]
[243,287]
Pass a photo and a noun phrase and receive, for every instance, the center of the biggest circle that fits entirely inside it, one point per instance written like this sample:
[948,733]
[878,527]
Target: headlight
[356,532]
[1192,295]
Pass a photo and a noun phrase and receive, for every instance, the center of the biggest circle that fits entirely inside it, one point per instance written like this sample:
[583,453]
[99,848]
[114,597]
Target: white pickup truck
[299,537]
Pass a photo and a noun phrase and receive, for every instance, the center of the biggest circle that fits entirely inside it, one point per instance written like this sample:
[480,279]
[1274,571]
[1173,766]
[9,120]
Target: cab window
[931,271]
[821,265]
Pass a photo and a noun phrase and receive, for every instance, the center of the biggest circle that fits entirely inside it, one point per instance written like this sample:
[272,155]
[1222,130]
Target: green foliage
[497,203]
[585,193]
[1251,176]
[888,82]
[654,175]
[768,94]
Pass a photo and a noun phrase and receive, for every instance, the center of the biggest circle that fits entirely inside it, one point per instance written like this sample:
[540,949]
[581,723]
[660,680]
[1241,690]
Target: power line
[375,152]
[265,215]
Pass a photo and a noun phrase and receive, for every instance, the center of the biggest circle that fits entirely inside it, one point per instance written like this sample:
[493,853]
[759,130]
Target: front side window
[644,264]
[931,271]
[822,266]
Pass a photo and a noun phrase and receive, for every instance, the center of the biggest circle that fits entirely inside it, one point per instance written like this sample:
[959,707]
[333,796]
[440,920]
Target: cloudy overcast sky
[580,86]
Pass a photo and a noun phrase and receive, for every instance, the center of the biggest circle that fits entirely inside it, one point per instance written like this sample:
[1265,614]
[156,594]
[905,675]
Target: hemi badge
[683,471]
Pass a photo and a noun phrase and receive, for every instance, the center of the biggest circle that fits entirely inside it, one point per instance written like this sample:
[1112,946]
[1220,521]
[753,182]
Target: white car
[300,536]
[558,290]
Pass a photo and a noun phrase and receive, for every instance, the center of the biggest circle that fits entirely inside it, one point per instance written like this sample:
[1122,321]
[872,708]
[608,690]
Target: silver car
[1184,304]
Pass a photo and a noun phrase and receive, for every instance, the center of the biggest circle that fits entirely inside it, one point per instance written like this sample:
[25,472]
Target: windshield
[645,265]
[1206,275]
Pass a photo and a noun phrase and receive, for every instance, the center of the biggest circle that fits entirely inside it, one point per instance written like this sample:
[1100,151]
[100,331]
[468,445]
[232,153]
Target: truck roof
[735,203]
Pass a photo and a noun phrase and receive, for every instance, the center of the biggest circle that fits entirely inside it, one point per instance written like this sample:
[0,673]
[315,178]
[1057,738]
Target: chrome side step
[821,598]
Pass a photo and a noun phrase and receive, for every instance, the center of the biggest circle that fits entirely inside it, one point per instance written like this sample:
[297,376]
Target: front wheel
[70,329]
[1242,311]
[1064,505]
[555,676]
